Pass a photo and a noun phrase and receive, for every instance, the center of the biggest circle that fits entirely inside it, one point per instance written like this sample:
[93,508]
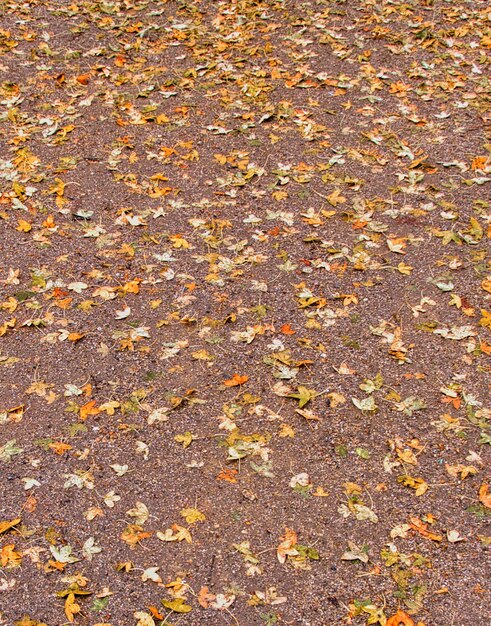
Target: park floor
[245,313]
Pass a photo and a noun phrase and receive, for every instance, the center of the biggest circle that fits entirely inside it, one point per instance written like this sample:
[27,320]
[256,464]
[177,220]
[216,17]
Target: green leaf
[99,604]
[363,453]
[303,395]
[485,438]
[9,450]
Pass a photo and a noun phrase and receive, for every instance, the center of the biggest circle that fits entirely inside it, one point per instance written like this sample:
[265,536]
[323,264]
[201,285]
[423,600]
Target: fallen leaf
[235,380]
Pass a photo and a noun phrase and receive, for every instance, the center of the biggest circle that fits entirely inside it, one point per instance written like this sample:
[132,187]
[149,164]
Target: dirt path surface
[245,313]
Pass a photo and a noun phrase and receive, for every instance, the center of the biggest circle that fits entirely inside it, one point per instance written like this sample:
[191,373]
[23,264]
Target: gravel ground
[245,313]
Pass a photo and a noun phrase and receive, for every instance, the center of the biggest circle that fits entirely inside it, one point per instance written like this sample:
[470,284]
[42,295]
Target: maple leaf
[228,474]
[418,484]
[71,607]
[355,553]
[9,557]
[23,226]
[133,534]
[151,574]
[400,619]
[287,545]
[186,439]
[485,319]
[5,526]
[59,447]
[140,512]
[192,516]
[205,597]
[9,450]
[28,621]
[89,409]
[336,198]
[175,533]
[303,395]
[485,496]
[366,404]
[144,619]
[236,380]
[178,605]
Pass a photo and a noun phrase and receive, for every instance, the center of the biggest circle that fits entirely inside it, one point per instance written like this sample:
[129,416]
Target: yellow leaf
[336,198]
[27,621]
[279,195]
[178,605]
[326,213]
[185,439]
[404,269]
[192,516]
[23,227]
[485,319]
[4,526]
[179,242]
[71,607]
[202,355]
[286,431]
[6,325]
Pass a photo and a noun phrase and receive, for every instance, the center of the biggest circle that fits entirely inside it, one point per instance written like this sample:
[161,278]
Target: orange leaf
[228,475]
[49,222]
[204,597]
[484,496]
[133,534]
[132,286]
[479,162]
[83,79]
[75,337]
[9,557]
[421,528]
[236,380]
[4,526]
[286,329]
[155,612]
[485,347]
[65,303]
[286,547]
[400,618]
[88,409]
[59,447]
